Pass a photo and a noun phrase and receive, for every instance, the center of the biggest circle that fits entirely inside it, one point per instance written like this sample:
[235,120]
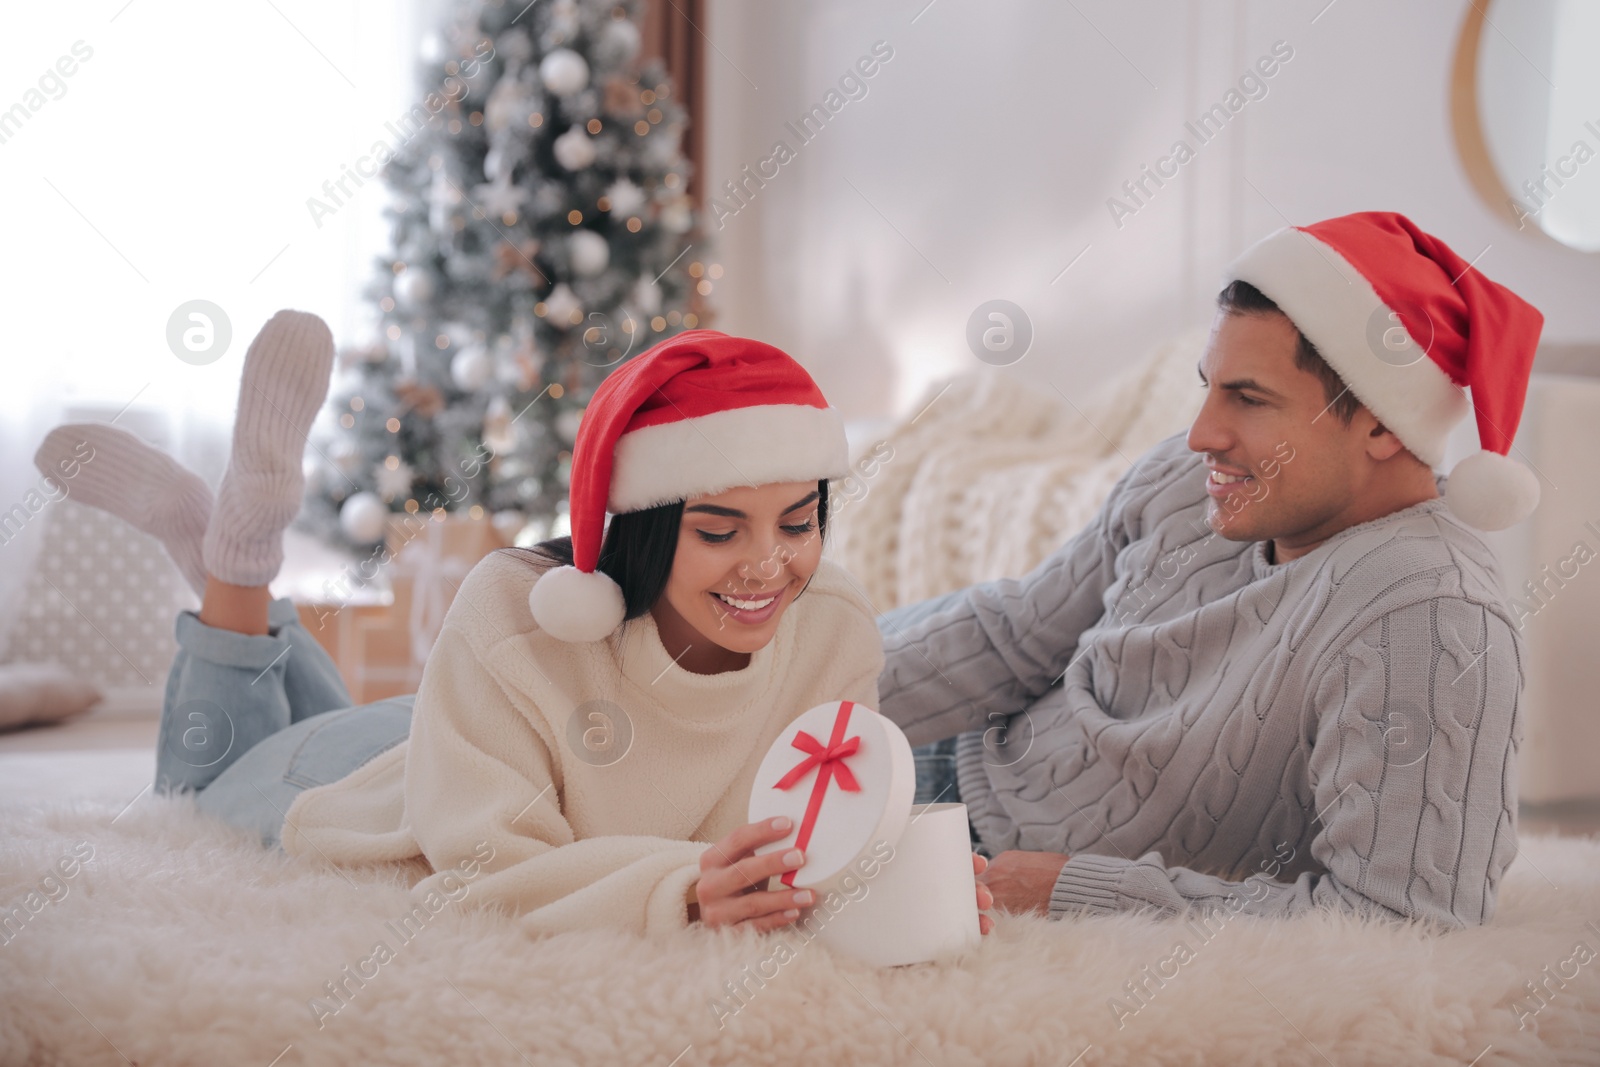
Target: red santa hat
[697,414]
[1407,324]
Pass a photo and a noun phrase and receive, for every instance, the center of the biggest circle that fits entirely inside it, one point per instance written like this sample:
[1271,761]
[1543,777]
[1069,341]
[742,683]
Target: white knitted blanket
[990,474]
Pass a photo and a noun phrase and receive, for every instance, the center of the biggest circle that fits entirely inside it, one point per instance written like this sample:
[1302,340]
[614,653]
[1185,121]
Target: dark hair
[1242,298]
[638,550]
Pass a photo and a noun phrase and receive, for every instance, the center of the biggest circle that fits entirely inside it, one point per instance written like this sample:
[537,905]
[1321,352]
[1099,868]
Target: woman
[593,711]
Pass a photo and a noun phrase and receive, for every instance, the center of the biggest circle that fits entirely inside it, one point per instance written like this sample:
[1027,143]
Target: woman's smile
[751,609]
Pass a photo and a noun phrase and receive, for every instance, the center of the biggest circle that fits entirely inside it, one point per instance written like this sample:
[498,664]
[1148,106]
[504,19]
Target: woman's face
[743,556]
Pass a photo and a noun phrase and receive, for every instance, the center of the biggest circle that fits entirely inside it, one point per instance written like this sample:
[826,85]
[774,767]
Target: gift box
[379,634]
[893,880]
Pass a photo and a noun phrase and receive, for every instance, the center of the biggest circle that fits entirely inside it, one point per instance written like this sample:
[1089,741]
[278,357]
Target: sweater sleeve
[480,777]
[1413,772]
[972,657]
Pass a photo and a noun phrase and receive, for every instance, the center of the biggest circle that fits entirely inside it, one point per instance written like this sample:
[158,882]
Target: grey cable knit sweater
[1196,726]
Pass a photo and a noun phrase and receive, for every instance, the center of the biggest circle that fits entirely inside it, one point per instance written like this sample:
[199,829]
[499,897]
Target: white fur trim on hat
[739,446]
[573,605]
[1490,491]
[1303,276]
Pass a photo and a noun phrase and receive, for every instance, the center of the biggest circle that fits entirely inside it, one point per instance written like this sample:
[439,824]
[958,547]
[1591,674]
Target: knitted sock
[285,381]
[114,471]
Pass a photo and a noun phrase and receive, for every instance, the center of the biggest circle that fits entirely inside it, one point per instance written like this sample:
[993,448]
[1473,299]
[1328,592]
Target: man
[1277,672]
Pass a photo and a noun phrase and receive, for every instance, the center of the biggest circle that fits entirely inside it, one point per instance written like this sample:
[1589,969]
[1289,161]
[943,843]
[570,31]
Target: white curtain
[154,153]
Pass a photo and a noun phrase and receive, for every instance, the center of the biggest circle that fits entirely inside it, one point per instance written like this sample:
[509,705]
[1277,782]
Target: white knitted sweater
[498,762]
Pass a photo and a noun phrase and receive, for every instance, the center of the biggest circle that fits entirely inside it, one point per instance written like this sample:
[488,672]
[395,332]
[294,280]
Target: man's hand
[1022,881]
[985,898]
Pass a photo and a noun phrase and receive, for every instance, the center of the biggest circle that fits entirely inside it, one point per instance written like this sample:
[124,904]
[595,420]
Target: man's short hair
[1242,298]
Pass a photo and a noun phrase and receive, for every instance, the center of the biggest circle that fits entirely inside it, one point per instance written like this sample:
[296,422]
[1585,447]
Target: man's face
[1300,470]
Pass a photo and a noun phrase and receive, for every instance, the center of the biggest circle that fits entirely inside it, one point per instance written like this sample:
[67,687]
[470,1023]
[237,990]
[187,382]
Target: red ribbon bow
[830,764]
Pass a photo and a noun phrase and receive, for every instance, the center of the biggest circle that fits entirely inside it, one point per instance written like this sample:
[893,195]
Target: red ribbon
[830,764]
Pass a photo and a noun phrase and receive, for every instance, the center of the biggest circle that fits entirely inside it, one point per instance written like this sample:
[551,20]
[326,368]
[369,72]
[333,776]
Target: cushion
[33,693]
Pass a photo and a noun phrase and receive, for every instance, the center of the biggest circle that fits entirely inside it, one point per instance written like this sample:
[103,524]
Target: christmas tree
[540,230]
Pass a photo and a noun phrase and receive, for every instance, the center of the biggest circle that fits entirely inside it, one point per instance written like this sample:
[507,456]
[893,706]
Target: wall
[979,163]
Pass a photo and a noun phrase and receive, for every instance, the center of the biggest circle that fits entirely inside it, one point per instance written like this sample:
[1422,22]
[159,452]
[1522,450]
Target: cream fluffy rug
[180,942]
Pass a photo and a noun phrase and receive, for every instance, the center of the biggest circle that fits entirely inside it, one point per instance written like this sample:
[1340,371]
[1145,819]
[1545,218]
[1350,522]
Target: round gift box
[894,884]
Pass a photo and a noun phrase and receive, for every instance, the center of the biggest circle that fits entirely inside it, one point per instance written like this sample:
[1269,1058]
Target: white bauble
[589,252]
[564,72]
[471,368]
[431,48]
[574,149]
[561,306]
[618,43]
[647,296]
[414,287]
[626,198]
[363,518]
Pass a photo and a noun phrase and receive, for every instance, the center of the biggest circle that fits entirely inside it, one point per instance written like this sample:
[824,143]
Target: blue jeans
[249,722]
[936,781]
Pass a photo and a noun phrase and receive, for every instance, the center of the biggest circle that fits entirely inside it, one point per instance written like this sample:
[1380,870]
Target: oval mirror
[1525,103]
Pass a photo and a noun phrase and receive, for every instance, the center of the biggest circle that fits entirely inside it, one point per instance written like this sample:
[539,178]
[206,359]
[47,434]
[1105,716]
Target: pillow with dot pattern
[33,693]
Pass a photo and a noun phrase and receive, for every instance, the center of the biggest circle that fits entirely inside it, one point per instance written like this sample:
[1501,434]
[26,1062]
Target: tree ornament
[414,287]
[363,518]
[625,197]
[646,296]
[574,149]
[564,72]
[622,98]
[393,482]
[617,43]
[471,368]
[677,217]
[500,197]
[514,258]
[345,455]
[497,432]
[562,306]
[425,400]
[588,252]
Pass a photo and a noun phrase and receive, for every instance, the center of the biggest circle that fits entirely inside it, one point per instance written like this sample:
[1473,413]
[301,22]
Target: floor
[111,753]
[104,753]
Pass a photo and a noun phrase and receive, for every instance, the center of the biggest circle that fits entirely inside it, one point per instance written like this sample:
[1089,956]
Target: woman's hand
[731,876]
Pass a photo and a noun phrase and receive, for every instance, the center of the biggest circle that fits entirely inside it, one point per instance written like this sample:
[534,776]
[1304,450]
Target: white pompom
[362,518]
[1490,491]
[576,606]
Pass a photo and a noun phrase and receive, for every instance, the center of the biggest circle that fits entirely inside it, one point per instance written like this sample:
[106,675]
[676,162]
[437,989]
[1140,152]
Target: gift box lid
[846,777]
